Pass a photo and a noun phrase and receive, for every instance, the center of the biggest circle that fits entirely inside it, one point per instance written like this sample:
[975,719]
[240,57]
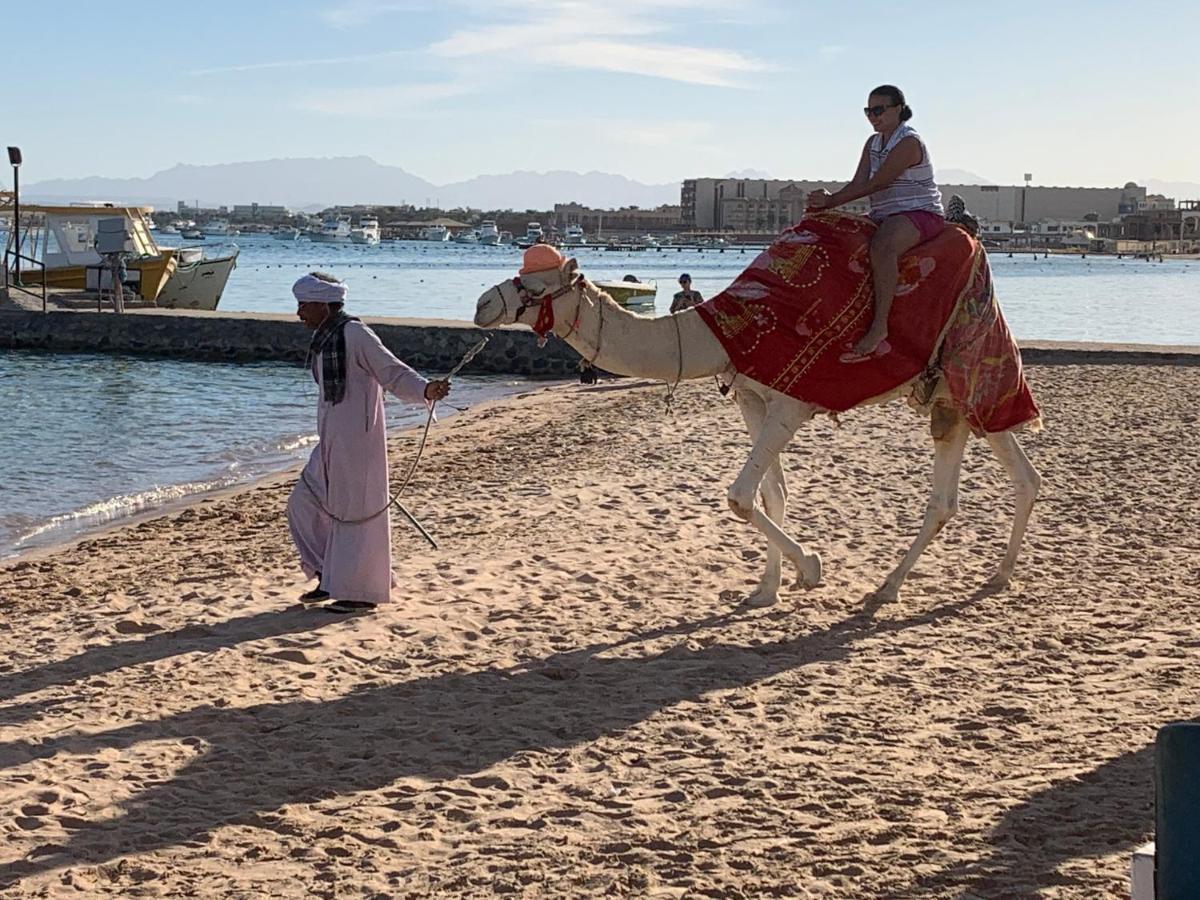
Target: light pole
[14,157]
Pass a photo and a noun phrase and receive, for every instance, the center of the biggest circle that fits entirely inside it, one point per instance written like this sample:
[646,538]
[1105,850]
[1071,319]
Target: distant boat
[630,293]
[488,234]
[367,232]
[533,235]
[573,236]
[467,236]
[192,234]
[285,233]
[334,230]
[218,226]
[434,233]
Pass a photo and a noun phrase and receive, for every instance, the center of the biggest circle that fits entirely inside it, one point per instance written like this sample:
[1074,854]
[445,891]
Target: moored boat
[630,293]
[334,230]
[63,240]
[367,232]
[488,235]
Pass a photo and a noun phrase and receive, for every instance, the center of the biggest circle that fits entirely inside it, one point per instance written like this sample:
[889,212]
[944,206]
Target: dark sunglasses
[877,110]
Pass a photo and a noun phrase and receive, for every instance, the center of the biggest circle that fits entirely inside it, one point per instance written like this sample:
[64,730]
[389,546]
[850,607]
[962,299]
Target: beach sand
[566,700]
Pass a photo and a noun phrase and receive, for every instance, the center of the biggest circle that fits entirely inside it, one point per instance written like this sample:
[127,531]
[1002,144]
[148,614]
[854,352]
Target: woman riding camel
[896,173]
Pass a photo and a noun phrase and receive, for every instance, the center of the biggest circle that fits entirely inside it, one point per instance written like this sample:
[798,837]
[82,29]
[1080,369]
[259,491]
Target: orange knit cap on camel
[541,258]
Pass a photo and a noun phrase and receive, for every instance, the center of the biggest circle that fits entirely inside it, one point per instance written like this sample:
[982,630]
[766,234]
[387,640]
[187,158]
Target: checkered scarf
[329,342]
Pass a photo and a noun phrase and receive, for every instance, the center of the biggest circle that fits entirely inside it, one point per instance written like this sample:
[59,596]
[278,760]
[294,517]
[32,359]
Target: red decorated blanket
[787,319]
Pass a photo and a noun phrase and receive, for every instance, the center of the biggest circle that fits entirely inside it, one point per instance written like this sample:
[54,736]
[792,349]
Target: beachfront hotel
[754,203]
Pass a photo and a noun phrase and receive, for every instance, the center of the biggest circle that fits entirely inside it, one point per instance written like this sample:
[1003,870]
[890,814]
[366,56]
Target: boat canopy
[68,235]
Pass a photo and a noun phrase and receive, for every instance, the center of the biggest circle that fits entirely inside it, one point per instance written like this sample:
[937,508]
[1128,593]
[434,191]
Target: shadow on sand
[259,758]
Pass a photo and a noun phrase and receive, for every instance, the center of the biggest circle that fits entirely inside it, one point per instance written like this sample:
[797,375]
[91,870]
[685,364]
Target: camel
[681,347]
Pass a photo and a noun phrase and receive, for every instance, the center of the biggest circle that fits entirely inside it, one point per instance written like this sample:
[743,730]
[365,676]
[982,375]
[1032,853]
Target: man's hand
[437,390]
[819,199]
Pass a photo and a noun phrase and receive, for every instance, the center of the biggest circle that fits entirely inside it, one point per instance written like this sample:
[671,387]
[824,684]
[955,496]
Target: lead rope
[672,388]
[395,498]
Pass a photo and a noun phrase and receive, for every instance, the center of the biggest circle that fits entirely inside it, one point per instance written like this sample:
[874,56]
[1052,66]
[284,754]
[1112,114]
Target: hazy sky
[1088,94]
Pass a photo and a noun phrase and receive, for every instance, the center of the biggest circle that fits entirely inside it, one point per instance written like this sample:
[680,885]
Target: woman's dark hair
[896,97]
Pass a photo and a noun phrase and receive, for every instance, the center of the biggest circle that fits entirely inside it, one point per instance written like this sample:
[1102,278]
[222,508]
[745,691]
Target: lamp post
[14,157]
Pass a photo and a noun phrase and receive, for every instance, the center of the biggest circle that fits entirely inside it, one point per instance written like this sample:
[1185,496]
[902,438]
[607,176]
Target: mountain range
[316,183]
[348,180]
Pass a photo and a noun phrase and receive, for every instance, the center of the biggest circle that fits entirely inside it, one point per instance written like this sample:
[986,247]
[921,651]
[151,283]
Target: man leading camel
[338,512]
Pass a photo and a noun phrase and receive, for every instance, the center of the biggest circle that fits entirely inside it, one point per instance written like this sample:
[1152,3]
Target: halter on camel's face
[521,299]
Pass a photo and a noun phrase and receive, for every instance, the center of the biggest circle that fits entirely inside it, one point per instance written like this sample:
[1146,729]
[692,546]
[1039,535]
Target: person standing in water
[895,171]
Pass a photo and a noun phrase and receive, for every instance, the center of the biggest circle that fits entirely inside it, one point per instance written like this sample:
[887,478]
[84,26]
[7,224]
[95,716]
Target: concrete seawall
[432,345]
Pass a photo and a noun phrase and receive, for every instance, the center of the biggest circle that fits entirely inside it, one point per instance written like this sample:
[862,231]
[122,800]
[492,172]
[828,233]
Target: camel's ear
[571,266]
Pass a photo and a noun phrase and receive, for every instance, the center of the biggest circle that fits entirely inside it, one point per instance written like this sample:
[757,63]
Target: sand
[566,700]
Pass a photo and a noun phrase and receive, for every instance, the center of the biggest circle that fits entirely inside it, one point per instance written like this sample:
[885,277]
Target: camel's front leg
[950,433]
[772,427]
[1026,481]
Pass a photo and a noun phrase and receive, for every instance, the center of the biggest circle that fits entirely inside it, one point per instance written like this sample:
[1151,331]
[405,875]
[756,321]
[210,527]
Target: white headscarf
[311,289]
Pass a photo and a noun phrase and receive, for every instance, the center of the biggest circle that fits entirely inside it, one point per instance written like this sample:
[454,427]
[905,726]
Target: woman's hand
[437,390]
[819,199]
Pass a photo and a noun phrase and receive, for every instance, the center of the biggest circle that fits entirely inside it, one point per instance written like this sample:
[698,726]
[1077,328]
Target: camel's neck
[618,341]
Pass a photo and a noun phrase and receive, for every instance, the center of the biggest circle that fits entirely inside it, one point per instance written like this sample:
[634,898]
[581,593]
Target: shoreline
[1034,353]
[177,505]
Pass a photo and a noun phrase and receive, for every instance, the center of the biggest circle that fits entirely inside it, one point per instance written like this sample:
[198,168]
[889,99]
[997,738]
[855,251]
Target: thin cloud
[301,63]
[583,36]
[690,65]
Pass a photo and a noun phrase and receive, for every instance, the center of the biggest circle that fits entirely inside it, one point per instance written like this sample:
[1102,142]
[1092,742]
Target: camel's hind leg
[950,433]
[1026,482]
[771,425]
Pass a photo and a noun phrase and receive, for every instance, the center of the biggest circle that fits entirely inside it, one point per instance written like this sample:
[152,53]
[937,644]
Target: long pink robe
[347,474]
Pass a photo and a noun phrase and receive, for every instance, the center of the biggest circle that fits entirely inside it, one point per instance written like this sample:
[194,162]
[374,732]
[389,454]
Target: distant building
[630,220]
[254,212]
[749,204]
[732,203]
[1175,224]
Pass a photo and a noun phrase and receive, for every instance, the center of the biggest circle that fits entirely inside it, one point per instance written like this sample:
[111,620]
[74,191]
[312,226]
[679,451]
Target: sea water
[1067,298]
[93,438]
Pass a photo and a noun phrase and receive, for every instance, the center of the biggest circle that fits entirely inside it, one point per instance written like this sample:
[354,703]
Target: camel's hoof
[761,599]
[998,582]
[808,571]
[886,593]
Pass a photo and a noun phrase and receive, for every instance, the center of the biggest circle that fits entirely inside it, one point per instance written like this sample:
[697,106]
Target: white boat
[434,233]
[334,230]
[192,234]
[218,226]
[170,228]
[178,278]
[488,234]
[467,236]
[573,236]
[196,282]
[285,233]
[533,235]
[367,232]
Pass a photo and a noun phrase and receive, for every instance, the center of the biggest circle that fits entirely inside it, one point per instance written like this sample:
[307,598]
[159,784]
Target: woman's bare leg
[895,236]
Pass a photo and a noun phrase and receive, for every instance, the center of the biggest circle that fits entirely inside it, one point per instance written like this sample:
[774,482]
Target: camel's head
[522,299]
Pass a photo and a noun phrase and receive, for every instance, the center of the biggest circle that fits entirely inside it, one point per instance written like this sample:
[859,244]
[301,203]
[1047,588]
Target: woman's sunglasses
[877,110]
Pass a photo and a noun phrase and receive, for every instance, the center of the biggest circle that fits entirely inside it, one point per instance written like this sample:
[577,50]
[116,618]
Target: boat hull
[630,293]
[197,285]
